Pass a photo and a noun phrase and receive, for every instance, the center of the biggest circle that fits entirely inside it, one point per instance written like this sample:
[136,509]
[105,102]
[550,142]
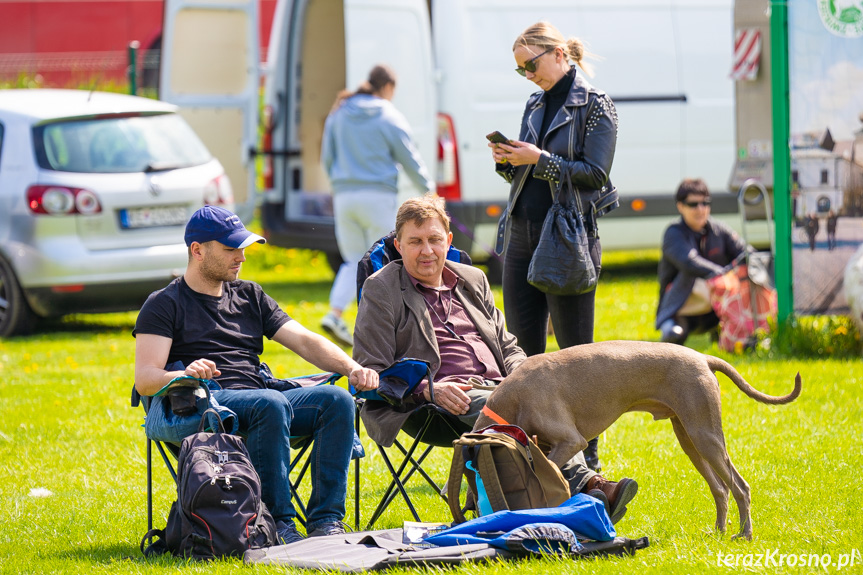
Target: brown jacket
[393,322]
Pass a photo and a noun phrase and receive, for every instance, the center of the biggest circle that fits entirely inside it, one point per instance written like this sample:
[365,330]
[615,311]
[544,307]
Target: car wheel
[16,318]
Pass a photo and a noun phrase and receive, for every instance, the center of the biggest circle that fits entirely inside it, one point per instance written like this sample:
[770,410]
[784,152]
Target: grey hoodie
[364,141]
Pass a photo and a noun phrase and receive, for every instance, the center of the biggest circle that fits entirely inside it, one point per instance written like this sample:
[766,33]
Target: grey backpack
[219,511]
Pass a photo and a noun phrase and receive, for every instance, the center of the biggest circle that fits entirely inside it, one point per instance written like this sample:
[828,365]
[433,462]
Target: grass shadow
[94,324]
[115,554]
[628,270]
[89,326]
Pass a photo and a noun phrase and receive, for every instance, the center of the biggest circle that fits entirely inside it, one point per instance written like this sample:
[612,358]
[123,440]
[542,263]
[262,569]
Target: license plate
[153,217]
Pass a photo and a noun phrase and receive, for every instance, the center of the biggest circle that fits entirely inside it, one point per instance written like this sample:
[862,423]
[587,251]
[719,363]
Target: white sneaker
[338,329]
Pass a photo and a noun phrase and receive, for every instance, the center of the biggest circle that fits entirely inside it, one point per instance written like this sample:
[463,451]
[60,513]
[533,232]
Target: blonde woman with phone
[568,127]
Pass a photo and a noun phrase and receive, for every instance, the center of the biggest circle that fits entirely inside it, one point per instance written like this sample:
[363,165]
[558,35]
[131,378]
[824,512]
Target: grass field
[66,428]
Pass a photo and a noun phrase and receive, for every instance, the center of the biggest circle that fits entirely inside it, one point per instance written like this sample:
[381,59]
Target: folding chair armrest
[398,380]
[284,384]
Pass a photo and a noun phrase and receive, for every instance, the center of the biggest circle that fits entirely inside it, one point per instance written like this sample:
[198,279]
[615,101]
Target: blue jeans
[269,418]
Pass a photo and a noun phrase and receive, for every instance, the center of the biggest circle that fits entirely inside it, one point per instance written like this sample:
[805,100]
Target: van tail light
[60,201]
[218,191]
[448,182]
[75,288]
[267,147]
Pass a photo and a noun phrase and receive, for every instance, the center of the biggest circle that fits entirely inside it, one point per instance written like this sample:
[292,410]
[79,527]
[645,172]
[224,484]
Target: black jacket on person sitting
[688,255]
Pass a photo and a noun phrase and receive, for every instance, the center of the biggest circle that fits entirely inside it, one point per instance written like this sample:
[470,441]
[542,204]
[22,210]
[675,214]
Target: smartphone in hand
[498,138]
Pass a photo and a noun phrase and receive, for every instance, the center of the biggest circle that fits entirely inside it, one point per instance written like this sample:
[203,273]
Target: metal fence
[76,69]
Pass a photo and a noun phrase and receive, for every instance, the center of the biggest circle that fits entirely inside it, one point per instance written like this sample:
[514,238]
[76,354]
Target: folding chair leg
[150,478]
[416,466]
[391,492]
[403,475]
[357,476]
[167,461]
[397,483]
[149,485]
[299,506]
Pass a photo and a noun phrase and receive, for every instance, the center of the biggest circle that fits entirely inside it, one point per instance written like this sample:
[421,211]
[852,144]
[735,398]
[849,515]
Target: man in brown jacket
[426,307]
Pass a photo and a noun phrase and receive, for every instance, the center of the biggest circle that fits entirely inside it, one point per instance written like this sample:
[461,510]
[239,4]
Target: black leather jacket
[581,137]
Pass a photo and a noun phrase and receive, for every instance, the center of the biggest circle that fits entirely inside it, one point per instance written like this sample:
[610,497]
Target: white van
[665,63]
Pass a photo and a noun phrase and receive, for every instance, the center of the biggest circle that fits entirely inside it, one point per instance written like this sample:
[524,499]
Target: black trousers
[527,309]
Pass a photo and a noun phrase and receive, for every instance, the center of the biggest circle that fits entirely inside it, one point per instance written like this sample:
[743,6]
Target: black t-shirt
[228,330]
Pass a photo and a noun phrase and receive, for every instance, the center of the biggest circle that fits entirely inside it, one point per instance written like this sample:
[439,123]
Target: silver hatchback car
[95,192]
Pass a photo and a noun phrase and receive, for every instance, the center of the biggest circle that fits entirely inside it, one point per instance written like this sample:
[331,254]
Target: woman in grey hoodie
[365,140]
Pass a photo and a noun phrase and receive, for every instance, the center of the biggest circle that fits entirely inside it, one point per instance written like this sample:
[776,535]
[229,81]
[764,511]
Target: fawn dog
[569,396]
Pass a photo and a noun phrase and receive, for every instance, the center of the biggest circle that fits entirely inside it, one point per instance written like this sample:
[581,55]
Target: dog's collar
[487,411]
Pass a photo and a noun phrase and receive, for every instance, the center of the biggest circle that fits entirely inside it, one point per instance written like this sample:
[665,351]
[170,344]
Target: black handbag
[561,263]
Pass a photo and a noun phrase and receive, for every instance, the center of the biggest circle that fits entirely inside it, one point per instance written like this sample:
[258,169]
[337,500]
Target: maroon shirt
[463,353]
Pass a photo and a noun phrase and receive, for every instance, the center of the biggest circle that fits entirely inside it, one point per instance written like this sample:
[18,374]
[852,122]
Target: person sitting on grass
[694,249]
[214,323]
[426,307]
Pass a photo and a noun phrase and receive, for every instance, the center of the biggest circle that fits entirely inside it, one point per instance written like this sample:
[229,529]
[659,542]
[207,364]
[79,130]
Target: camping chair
[429,426]
[384,251]
[299,463]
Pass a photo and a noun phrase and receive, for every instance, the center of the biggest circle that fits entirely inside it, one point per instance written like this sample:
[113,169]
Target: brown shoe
[616,493]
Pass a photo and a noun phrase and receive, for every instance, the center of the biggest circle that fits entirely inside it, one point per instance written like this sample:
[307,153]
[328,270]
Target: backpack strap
[156,546]
[456,472]
[488,471]
[204,421]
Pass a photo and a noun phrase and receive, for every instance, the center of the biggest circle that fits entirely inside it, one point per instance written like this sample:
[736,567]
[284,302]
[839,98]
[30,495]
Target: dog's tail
[717,364]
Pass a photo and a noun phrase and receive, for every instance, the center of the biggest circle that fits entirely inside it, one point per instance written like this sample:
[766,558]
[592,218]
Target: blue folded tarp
[585,516]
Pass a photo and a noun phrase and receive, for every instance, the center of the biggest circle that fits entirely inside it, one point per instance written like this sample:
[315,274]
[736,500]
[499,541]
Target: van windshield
[119,144]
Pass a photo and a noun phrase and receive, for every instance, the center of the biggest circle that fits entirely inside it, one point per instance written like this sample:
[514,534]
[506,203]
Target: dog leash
[486,410]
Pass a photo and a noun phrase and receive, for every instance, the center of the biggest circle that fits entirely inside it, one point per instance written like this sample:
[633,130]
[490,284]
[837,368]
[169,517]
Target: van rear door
[317,49]
[209,68]
[397,33]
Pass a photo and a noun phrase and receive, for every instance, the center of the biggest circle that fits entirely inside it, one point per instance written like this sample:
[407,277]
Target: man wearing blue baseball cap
[212,223]
[213,324]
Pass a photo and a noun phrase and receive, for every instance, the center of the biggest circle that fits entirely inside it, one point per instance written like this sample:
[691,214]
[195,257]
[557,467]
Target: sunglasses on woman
[702,203]
[530,65]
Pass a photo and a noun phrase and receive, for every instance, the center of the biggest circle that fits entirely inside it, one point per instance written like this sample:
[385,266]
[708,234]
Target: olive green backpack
[504,470]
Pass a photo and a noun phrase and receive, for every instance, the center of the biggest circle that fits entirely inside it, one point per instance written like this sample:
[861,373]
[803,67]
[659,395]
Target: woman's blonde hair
[545,36]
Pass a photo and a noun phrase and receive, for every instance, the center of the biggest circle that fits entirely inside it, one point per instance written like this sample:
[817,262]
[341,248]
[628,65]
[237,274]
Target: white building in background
[817,177]
[823,172]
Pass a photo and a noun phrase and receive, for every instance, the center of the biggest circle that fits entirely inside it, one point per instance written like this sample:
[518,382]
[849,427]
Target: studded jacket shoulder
[582,137]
